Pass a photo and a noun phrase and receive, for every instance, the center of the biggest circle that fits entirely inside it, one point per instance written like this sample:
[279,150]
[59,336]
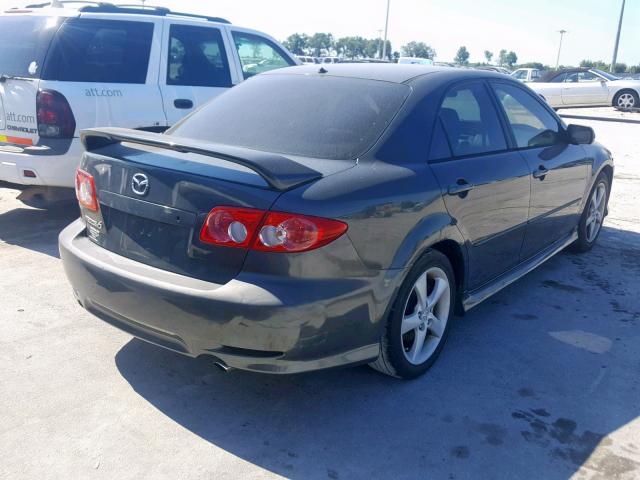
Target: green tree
[537,65]
[620,68]
[502,57]
[488,55]
[321,43]
[297,43]
[351,47]
[594,64]
[511,58]
[462,57]
[418,49]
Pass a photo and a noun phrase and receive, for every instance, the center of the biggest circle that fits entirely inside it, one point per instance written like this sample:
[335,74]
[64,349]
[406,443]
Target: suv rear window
[313,116]
[107,51]
[24,41]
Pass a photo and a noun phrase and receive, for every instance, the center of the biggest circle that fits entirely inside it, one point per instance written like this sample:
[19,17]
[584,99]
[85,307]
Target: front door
[559,169]
[195,68]
[584,88]
[485,186]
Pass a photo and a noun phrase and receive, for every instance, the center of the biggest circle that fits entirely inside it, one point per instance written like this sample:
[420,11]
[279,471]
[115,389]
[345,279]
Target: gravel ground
[540,381]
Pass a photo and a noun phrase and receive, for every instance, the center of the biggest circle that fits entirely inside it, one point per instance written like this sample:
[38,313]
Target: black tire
[633,93]
[392,359]
[583,243]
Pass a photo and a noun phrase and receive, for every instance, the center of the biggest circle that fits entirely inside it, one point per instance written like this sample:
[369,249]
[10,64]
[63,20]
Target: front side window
[520,74]
[197,57]
[471,122]
[585,77]
[559,78]
[258,54]
[107,51]
[531,123]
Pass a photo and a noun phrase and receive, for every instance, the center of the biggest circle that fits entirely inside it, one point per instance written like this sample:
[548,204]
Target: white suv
[66,69]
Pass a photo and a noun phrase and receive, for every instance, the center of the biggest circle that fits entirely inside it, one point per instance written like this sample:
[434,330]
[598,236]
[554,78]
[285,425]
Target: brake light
[86,190]
[55,118]
[268,231]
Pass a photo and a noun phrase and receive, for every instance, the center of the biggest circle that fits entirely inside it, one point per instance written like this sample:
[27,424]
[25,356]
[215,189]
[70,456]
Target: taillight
[268,231]
[55,118]
[233,227]
[86,190]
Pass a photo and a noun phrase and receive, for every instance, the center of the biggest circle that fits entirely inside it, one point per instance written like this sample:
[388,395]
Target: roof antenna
[323,70]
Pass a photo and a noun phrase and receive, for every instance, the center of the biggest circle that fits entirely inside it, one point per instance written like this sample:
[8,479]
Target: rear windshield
[24,41]
[106,51]
[313,116]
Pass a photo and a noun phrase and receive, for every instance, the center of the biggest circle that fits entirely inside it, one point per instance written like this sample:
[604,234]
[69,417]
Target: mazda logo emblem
[140,184]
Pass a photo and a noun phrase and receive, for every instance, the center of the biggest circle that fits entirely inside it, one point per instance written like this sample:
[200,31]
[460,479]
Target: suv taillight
[268,231]
[86,190]
[55,118]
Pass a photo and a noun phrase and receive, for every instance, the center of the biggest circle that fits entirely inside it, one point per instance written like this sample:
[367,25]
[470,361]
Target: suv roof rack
[105,7]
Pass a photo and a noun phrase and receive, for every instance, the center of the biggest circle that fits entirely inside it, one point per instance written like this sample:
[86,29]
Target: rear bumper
[53,165]
[254,322]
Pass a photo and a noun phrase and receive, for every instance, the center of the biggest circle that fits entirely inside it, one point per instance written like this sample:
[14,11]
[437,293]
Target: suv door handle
[541,172]
[183,103]
[461,187]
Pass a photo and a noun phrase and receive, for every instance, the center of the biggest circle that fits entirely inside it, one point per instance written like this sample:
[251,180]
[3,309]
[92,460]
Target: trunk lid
[156,218]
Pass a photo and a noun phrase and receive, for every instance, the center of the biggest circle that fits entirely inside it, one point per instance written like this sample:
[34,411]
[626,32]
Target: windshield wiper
[4,78]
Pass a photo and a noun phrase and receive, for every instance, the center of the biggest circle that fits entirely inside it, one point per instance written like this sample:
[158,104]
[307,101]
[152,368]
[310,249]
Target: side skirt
[474,297]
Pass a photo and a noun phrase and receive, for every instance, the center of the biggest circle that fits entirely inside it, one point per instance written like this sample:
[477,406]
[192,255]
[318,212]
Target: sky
[528,27]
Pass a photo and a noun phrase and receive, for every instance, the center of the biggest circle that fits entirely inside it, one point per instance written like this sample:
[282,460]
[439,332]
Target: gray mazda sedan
[317,217]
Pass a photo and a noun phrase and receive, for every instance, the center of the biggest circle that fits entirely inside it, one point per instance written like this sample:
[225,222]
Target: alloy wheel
[626,100]
[426,314]
[595,216]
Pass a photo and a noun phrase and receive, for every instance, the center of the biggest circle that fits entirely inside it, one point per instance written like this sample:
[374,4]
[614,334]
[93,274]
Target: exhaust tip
[222,366]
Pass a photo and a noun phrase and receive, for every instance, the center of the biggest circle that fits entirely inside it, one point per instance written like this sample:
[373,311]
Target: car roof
[387,72]
[69,8]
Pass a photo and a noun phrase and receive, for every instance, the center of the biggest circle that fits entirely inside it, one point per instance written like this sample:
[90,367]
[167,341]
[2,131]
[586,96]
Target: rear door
[584,88]
[107,70]
[195,67]
[486,187]
[24,40]
[559,169]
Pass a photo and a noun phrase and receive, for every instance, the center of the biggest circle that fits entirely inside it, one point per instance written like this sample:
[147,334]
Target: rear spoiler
[280,172]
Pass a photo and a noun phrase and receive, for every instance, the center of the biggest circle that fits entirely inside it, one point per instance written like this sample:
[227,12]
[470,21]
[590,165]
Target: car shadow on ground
[531,385]
[37,229]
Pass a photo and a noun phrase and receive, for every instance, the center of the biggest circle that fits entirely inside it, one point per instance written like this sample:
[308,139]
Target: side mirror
[580,135]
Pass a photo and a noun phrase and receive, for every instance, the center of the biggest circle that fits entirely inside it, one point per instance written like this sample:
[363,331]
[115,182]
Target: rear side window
[24,41]
[197,57]
[313,116]
[257,54]
[107,51]
[471,122]
[532,125]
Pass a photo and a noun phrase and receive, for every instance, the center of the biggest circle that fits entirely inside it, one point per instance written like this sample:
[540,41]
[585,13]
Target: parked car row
[66,69]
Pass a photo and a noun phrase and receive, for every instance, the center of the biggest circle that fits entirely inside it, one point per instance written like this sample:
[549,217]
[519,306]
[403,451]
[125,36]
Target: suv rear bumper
[254,322]
[53,165]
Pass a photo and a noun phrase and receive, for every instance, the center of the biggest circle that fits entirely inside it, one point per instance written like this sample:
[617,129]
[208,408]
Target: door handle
[541,172]
[461,187]
[183,103]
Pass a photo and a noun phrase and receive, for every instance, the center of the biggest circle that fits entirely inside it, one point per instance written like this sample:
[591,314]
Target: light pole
[615,49]
[386,30]
[380,38]
[561,32]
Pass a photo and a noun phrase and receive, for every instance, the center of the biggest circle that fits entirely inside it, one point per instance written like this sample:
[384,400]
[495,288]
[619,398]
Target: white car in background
[414,61]
[306,60]
[64,69]
[584,87]
[527,75]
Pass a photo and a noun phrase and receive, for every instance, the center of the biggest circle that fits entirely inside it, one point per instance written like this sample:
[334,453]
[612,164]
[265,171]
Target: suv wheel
[418,323]
[593,215]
